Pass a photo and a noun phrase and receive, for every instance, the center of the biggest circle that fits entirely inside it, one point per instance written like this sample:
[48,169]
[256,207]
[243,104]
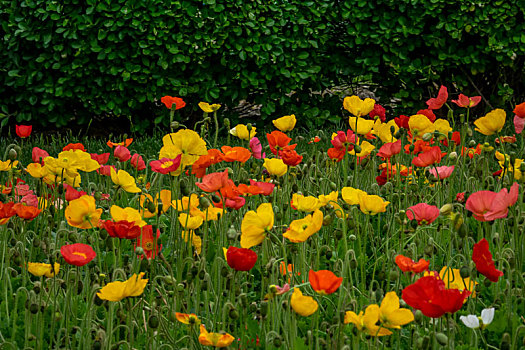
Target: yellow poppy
[351,195]
[384,131]
[41,269]
[390,315]
[307,204]
[126,214]
[241,131]
[255,224]
[303,305]
[7,165]
[372,204]
[217,340]
[185,142]
[420,125]
[492,123]
[190,222]
[207,108]
[300,230]
[366,149]
[275,166]
[36,170]
[196,241]
[358,107]
[286,123]
[367,322]
[362,126]
[116,291]
[124,180]
[82,213]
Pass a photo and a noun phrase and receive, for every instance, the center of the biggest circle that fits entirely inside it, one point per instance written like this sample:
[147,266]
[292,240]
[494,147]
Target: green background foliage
[64,62]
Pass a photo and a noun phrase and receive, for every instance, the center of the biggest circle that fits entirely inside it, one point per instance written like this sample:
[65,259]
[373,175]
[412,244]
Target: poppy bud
[446,209]
[252,307]
[333,185]
[442,339]
[352,238]
[393,275]
[233,314]
[464,272]
[264,308]
[215,198]
[418,316]
[36,287]
[153,322]
[353,263]
[427,136]
[505,341]
[232,233]
[249,127]
[277,342]
[429,250]
[139,251]
[12,154]
[33,308]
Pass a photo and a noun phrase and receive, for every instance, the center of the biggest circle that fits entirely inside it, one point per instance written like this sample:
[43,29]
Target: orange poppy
[279,141]
[232,154]
[124,143]
[408,265]
[214,156]
[26,212]
[74,146]
[290,157]
[324,281]
[213,182]
[249,190]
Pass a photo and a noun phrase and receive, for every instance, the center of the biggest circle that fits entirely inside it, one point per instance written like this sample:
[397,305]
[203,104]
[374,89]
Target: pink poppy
[166,165]
[423,213]
[137,162]
[441,172]
[256,148]
[122,153]
[389,149]
[489,206]
[468,102]
[213,182]
[38,155]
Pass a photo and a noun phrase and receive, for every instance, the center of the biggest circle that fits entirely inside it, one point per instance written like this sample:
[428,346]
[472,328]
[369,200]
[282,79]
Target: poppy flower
[38,155]
[213,156]
[362,126]
[305,203]
[241,259]
[149,242]
[324,282]
[473,321]
[303,305]
[217,340]
[429,157]
[391,315]
[430,295]
[169,101]
[441,172]
[453,280]
[275,167]
[235,154]
[7,211]
[367,322]
[106,170]
[389,149]
[124,143]
[519,118]
[255,224]
[351,195]
[378,111]
[124,180]
[484,262]
[290,157]
[121,229]
[420,125]
[165,165]
[358,107]
[440,100]
[467,102]
[266,187]
[402,121]
[489,206]
[82,213]
[300,230]
[100,158]
[187,318]
[26,212]
[77,254]
[186,143]
[423,213]
[137,162]
[122,153]
[279,141]
[241,131]
[408,265]
[213,182]
[116,291]
[428,113]
[23,131]
[491,123]
[256,148]
[42,269]
[73,146]
[372,204]
[286,123]
[207,108]
[126,214]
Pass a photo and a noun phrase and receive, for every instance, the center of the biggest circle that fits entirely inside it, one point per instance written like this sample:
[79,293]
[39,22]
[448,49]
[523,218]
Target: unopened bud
[13,154]
[427,136]
[442,339]
[453,156]
[446,209]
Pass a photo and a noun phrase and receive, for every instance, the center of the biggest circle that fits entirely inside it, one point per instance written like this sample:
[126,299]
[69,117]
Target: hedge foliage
[69,60]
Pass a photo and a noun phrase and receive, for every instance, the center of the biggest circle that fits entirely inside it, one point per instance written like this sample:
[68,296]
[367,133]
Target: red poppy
[378,111]
[389,149]
[430,295]
[266,187]
[137,162]
[166,165]
[402,121]
[124,143]
[423,213]
[106,170]
[213,182]
[428,113]
[38,155]
[72,193]
[419,146]
[324,281]
[122,153]
[506,139]
[519,110]
[279,141]
[121,229]
[169,101]
[148,242]
[460,197]
[241,259]
[427,158]
[290,157]
[100,158]
[71,146]
[26,212]
[408,265]
[235,154]
[6,212]
[23,131]
[467,102]
[77,254]
[484,262]
[198,168]
[471,152]
[248,189]
[440,100]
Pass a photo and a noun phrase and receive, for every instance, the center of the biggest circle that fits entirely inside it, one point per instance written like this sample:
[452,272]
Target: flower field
[391,232]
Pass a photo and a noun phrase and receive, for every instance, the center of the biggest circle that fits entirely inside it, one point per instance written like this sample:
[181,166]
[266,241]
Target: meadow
[389,232]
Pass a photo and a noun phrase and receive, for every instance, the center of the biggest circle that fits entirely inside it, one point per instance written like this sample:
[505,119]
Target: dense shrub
[65,61]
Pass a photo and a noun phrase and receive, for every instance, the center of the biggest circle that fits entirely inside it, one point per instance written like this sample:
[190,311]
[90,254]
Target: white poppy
[472,321]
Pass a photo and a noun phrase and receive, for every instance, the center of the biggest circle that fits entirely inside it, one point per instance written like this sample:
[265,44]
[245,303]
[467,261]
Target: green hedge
[67,61]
